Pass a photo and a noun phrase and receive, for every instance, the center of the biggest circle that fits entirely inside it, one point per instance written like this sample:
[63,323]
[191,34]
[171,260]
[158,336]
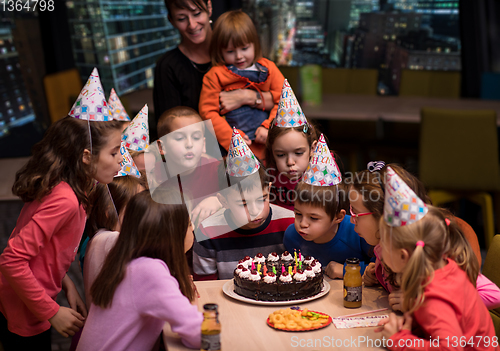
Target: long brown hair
[235,26]
[103,214]
[311,134]
[59,157]
[149,229]
[438,237]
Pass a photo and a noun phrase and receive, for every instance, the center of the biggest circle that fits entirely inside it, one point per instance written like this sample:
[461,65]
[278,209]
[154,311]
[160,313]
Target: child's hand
[396,300]
[334,270]
[261,135]
[369,277]
[231,100]
[246,139]
[66,321]
[75,301]
[205,208]
[390,326]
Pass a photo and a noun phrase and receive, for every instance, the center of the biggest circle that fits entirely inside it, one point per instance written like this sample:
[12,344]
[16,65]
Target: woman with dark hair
[179,72]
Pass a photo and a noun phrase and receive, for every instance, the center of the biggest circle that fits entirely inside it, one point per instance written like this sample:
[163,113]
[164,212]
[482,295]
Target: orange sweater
[220,78]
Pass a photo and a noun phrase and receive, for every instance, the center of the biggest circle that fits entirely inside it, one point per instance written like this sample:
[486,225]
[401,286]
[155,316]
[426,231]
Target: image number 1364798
[27,5]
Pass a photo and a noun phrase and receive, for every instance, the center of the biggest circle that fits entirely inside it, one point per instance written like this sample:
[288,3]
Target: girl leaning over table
[145,280]
[441,306]
[367,200]
[54,185]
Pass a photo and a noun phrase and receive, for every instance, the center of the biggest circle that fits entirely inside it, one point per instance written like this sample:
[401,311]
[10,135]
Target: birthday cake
[278,278]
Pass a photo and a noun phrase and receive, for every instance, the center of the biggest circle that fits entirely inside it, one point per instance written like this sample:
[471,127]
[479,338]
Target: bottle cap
[210,306]
[353,260]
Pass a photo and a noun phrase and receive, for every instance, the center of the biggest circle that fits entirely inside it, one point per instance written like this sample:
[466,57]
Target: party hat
[91,104]
[289,112]
[128,164]
[241,161]
[136,136]
[322,169]
[402,206]
[116,107]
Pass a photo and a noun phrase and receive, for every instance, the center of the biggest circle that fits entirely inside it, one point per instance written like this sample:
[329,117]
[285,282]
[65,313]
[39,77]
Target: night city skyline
[387,35]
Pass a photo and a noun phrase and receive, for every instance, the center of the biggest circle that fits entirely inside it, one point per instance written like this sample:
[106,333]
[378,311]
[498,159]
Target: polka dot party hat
[117,108]
[91,104]
[402,206]
[289,112]
[136,136]
[127,164]
[241,161]
[322,169]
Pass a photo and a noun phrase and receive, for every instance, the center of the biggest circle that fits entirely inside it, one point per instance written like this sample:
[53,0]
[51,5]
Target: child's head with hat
[291,138]
[246,185]
[320,198]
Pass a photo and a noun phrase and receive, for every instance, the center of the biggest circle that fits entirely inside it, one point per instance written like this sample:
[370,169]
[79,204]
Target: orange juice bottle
[353,285]
[210,328]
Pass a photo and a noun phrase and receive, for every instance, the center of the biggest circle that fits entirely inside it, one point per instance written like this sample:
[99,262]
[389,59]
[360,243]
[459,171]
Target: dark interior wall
[221,6]
[479,26]
[56,38]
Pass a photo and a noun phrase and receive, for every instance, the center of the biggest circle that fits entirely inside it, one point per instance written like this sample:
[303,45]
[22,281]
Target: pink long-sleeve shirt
[147,297]
[38,254]
[453,312]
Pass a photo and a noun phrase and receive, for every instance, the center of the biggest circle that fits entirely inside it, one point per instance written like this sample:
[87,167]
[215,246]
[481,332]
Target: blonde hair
[441,240]
[235,26]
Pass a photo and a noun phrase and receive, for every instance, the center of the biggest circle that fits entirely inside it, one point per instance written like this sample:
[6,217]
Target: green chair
[436,84]
[61,90]
[491,271]
[349,81]
[458,158]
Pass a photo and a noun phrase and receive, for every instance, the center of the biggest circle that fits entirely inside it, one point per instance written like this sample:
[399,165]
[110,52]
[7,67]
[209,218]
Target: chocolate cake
[269,279]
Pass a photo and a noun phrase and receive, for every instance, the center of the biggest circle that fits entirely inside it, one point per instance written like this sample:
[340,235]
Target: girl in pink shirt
[145,281]
[54,185]
[442,307]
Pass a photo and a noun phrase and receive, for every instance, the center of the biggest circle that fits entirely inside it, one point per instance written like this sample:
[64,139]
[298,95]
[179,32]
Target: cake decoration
[276,279]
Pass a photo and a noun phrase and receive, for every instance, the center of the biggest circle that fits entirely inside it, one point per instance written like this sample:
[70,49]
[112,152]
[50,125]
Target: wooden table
[244,325]
[389,108]
[358,107]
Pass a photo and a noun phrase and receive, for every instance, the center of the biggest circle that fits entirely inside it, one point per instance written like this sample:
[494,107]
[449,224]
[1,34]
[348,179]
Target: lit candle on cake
[300,256]
[294,269]
[282,269]
[253,266]
[290,270]
[258,267]
[265,270]
[295,255]
[274,270]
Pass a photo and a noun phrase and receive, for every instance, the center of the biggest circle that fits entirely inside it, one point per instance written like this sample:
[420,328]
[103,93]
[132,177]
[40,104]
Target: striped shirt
[219,247]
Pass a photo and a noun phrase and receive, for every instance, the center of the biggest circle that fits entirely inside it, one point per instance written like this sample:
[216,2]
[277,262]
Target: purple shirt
[147,297]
